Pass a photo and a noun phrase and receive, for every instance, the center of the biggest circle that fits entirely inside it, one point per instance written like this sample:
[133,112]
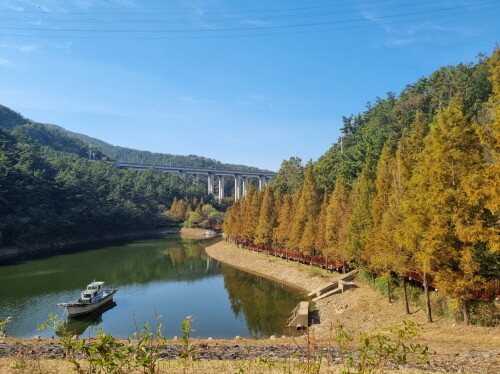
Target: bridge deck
[196,170]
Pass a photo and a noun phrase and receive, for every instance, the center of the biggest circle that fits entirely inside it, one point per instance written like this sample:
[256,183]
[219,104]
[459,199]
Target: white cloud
[399,42]
[6,63]
[65,46]
[193,100]
[27,47]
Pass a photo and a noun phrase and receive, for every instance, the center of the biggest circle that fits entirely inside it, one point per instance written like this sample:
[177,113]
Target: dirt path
[363,309]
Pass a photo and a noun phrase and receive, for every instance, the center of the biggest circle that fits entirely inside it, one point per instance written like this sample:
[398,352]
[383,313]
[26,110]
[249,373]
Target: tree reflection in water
[265,305]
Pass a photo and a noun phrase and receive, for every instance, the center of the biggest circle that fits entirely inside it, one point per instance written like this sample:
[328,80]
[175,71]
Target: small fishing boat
[93,298]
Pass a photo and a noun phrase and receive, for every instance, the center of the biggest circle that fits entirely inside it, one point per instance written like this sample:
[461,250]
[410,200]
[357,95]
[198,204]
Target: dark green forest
[50,191]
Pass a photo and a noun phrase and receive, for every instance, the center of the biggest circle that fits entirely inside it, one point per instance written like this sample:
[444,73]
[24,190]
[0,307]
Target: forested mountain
[51,192]
[152,158]
[43,135]
[411,189]
[67,141]
[48,196]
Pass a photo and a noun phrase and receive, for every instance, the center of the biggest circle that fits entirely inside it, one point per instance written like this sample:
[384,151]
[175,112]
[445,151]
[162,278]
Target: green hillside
[64,140]
[50,191]
[145,157]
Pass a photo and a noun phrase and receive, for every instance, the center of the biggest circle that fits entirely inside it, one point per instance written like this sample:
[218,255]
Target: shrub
[3,324]
[484,313]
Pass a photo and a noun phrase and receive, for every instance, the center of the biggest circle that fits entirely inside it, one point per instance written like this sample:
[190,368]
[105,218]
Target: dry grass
[55,366]
[360,309]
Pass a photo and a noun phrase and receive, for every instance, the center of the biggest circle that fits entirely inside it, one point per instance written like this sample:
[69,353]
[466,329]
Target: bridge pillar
[221,187]
[210,183]
[245,185]
[237,187]
[262,182]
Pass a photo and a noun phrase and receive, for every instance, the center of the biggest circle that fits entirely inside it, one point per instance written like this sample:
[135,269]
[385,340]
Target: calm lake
[174,276]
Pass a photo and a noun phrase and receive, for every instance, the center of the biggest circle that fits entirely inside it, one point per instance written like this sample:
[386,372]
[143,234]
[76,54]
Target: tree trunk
[465,311]
[343,267]
[405,295]
[373,279]
[389,290]
[427,300]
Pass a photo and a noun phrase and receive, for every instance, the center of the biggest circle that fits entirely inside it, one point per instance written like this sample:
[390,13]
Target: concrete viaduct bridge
[241,178]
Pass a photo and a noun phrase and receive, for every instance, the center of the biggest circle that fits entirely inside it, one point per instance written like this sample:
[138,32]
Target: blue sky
[248,82]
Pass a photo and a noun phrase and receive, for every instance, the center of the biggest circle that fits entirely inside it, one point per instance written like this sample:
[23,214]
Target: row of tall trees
[426,202]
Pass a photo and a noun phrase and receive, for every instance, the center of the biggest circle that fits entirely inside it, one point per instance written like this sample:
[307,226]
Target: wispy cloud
[400,42]
[370,16]
[19,47]
[65,46]
[6,63]
[196,101]
[412,31]
[255,23]
[27,47]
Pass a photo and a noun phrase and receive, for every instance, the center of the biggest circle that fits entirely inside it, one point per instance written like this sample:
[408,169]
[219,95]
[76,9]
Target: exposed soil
[362,309]
[194,233]
[291,273]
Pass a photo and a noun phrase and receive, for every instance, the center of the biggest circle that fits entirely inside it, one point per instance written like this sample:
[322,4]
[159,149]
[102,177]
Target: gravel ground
[361,309]
[475,362]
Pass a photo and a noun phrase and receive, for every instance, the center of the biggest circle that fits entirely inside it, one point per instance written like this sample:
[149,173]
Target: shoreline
[469,348]
[288,273]
[362,309]
[61,246]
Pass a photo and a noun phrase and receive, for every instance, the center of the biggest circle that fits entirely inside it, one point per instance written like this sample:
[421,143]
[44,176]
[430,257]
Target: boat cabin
[92,291]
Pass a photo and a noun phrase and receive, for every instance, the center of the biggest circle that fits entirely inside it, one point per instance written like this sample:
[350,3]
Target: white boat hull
[77,309]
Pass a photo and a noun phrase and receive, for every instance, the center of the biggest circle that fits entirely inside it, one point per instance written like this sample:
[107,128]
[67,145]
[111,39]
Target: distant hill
[51,136]
[64,140]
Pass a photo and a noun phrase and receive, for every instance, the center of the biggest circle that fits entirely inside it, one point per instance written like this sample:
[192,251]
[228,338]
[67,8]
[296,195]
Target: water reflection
[173,276]
[78,325]
[266,305]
